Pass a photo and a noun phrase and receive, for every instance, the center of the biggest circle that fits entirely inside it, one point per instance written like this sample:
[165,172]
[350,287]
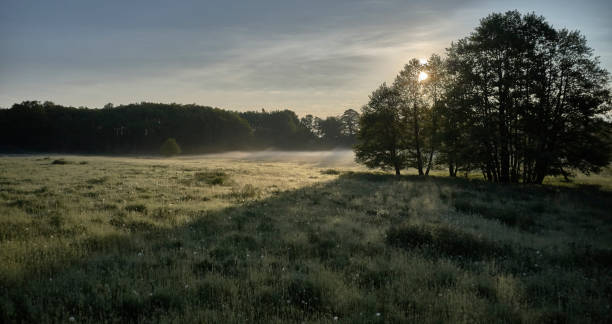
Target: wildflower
[71,318]
[377,314]
[140,253]
[335,318]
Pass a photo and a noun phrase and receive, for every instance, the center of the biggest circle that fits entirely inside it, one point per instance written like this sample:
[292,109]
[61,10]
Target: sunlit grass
[227,240]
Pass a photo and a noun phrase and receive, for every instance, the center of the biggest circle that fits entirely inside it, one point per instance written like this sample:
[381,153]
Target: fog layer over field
[329,158]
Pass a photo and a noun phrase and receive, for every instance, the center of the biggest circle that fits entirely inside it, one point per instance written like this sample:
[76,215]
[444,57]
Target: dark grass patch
[584,256]
[100,180]
[36,207]
[61,162]
[240,194]
[213,294]
[305,293]
[213,178]
[331,172]
[107,206]
[240,242]
[512,215]
[139,226]
[139,208]
[443,240]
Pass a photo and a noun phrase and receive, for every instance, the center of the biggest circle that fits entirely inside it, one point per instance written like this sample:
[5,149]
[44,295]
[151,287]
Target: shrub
[170,148]
[212,177]
[61,161]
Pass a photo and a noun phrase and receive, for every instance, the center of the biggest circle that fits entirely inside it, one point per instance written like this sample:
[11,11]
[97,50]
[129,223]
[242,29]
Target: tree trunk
[429,162]
[416,141]
[397,169]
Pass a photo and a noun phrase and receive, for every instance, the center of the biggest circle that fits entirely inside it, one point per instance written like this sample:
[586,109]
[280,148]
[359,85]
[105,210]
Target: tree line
[517,100]
[32,126]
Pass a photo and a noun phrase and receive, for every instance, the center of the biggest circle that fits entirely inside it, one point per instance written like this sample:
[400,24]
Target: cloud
[312,56]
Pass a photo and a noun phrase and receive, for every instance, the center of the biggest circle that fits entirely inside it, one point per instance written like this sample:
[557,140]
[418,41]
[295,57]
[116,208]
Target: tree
[308,122]
[330,130]
[382,133]
[453,125]
[170,148]
[434,89]
[532,96]
[350,123]
[414,111]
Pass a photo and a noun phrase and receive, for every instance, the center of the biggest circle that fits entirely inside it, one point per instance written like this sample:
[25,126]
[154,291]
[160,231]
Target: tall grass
[134,240]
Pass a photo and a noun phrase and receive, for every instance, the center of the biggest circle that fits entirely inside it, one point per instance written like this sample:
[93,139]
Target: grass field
[220,240]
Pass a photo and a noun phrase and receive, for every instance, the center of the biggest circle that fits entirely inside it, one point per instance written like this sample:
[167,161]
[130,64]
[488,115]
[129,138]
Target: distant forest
[32,126]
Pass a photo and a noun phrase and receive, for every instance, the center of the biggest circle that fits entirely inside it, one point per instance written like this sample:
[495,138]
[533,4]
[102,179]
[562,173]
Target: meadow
[227,239]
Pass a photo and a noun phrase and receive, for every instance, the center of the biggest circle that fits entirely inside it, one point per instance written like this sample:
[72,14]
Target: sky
[313,57]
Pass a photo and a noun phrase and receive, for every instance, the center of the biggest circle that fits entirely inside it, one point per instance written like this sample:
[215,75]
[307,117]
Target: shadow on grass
[311,253]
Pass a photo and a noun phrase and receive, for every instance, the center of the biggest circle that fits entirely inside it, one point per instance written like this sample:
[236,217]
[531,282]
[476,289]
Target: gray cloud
[311,56]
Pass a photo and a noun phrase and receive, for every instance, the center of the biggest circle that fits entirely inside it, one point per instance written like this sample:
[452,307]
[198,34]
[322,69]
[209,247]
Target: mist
[329,158]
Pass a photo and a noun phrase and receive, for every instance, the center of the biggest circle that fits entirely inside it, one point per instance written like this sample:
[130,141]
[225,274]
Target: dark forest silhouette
[32,126]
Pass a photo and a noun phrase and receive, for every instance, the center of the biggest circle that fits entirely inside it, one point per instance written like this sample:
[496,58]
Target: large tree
[532,96]
[416,113]
[382,133]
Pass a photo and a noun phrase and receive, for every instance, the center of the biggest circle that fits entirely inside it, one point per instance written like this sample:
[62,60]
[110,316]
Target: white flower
[377,314]
[335,318]
[71,318]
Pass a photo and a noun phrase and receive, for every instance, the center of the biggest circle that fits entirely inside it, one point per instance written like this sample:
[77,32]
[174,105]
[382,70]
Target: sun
[422,76]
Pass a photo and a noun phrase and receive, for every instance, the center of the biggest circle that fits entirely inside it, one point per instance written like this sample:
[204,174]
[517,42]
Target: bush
[61,162]
[170,148]
[212,177]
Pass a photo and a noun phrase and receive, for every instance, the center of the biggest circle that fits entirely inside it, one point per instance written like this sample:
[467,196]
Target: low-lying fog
[322,158]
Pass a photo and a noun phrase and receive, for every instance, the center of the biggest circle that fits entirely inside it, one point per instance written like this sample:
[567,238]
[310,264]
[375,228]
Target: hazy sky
[311,56]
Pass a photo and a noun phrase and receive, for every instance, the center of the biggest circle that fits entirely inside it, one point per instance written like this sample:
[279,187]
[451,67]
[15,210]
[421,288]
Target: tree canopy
[32,126]
[517,99]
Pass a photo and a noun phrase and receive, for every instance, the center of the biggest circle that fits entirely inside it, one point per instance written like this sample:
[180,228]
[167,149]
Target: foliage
[139,128]
[382,135]
[517,99]
[212,177]
[170,148]
[532,96]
